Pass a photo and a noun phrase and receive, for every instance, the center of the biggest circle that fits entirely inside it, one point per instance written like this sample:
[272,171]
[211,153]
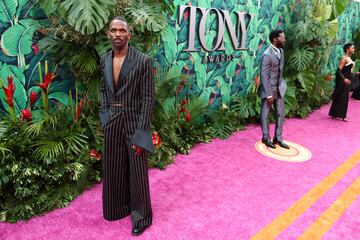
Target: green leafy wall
[20,22]
[216,82]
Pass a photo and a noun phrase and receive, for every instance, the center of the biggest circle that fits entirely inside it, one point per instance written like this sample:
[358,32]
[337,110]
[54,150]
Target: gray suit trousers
[279,105]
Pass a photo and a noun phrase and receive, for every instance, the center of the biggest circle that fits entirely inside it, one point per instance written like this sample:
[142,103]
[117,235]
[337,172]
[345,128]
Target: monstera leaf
[20,97]
[87,16]
[10,10]
[301,58]
[17,40]
[146,16]
[49,6]
[307,80]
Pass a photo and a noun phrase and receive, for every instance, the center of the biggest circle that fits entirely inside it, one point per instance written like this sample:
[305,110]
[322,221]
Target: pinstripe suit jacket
[136,92]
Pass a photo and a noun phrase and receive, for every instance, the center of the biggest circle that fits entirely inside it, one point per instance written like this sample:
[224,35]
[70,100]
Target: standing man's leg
[280,116]
[279,105]
[116,191]
[264,122]
[141,212]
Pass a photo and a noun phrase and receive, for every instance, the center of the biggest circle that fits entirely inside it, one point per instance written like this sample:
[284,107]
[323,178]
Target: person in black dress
[340,96]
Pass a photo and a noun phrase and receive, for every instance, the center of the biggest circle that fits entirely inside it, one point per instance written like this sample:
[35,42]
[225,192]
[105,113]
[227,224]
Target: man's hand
[347,81]
[269,101]
[138,150]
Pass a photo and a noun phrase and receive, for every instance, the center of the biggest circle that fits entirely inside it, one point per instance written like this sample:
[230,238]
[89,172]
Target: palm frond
[76,142]
[85,61]
[47,149]
[48,121]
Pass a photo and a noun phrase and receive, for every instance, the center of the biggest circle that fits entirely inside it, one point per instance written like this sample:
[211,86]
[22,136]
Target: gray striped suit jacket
[271,72]
[136,92]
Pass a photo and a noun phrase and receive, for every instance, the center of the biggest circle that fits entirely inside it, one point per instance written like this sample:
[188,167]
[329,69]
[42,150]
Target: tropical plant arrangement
[311,32]
[50,133]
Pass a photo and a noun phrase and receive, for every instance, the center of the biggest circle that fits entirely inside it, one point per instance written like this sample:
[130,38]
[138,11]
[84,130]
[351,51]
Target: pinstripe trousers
[125,176]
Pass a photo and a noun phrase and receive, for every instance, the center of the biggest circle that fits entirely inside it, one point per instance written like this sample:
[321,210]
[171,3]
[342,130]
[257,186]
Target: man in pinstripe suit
[126,111]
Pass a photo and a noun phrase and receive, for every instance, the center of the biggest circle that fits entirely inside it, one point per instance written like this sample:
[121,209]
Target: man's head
[119,32]
[349,48]
[277,38]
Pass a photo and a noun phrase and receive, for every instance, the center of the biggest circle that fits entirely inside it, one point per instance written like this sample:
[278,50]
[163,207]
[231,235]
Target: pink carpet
[224,190]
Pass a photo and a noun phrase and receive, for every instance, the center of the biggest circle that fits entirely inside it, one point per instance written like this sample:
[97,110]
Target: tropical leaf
[225,89]
[301,58]
[244,107]
[103,44]
[338,7]
[61,97]
[87,16]
[307,80]
[49,6]
[20,97]
[18,38]
[146,16]
[200,70]
[333,29]
[76,142]
[170,46]
[10,10]
[36,128]
[48,149]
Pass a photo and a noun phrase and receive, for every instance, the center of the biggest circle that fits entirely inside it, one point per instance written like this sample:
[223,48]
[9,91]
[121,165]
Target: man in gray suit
[272,89]
[127,92]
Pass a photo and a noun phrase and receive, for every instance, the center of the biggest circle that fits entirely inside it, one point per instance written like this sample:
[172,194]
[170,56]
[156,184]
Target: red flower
[9,91]
[188,117]
[237,72]
[156,139]
[184,102]
[257,80]
[182,109]
[26,115]
[47,80]
[95,154]
[79,107]
[33,96]
[35,47]
[329,77]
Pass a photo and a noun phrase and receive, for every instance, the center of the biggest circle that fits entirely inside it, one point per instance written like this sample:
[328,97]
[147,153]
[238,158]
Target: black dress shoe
[268,143]
[281,144]
[136,231]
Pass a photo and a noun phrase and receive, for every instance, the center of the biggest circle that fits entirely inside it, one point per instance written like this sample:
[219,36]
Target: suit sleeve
[265,74]
[142,136]
[103,109]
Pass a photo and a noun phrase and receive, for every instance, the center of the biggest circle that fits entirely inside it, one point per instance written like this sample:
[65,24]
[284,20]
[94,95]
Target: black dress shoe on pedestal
[268,143]
[281,144]
[136,231]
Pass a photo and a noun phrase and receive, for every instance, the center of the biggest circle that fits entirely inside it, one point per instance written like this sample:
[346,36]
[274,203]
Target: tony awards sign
[236,31]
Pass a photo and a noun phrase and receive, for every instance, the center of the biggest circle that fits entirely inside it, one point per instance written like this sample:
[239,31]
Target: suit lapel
[109,71]
[128,64]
